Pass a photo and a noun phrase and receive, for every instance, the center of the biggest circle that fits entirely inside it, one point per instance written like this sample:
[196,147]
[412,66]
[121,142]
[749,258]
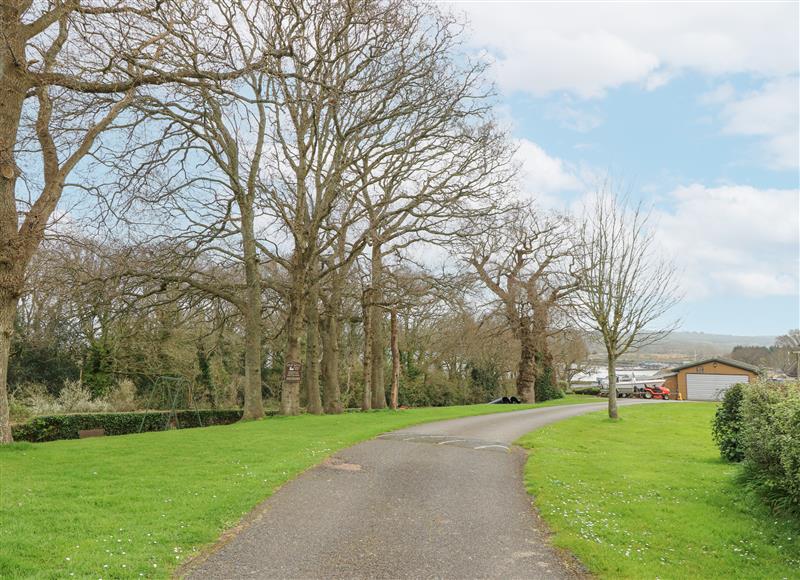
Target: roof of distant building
[728,361]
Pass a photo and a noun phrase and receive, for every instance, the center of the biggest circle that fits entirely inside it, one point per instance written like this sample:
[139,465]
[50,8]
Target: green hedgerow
[55,427]
[770,441]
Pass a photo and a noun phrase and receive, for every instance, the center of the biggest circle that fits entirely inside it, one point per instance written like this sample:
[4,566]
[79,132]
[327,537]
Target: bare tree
[340,50]
[333,295]
[785,355]
[447,166]
[386,110]
[119,325]
[405,290]
[789,340]
[626,288]
[68,70]
[198,160]
[570,353]
[37,63]
[531,263]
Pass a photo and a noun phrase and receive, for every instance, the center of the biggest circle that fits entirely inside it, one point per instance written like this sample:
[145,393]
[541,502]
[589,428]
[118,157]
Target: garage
[702,387]
[707,379]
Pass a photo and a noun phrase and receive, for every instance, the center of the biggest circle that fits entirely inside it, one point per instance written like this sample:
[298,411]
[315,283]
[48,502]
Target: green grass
[137,505]
[649,497]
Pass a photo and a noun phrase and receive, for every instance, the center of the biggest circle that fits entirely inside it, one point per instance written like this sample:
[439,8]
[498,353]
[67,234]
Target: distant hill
[680,346]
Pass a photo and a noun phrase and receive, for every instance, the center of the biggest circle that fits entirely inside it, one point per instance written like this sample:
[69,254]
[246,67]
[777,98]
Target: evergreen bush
[727,425]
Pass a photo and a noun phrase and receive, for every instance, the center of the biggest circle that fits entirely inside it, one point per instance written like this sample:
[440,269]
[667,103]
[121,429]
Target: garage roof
[728,361]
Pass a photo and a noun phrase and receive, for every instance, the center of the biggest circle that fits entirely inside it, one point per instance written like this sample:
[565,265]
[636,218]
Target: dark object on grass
[505,401]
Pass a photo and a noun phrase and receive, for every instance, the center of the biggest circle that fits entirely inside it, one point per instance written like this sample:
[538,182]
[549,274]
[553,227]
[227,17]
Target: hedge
[54,427]
[759,425]
[770,439]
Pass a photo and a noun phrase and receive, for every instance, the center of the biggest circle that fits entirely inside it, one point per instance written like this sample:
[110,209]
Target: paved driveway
[439,500]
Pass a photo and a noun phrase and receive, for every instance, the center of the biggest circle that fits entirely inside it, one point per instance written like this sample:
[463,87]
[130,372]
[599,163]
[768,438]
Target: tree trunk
[331,334]
[612,387]
[290,392]
[331,393]
[253,402]
[13,259]
[395,359]
[526,375]
[352,361]
[8,310]
[366,400]
[313,399]
[544,371]
[376,331]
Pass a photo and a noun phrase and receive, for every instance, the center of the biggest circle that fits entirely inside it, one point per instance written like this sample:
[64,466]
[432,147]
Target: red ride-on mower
[652,392]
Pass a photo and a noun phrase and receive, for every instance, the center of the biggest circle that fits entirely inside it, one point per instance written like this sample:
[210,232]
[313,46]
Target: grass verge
[139,505]
[649,497]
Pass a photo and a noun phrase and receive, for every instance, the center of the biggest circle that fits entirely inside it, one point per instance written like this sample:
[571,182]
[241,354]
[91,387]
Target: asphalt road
[439,500]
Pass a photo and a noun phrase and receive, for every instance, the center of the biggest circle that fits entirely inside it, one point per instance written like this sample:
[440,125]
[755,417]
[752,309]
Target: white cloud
[586,49]
[733,240]
[720,95]
[542,175]
[772,113]
[586,63]
[575,118]
[658,79]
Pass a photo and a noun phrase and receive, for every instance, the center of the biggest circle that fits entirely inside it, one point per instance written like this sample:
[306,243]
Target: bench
[84,433]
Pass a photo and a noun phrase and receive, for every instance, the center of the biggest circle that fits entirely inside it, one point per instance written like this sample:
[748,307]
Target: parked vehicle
[652,392]
[621,379]
[639,390]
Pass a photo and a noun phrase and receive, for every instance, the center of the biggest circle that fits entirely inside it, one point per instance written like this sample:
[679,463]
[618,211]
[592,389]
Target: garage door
[708,387]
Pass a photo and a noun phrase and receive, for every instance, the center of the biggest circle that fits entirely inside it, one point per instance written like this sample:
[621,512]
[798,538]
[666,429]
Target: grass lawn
[139,505]
[649,497]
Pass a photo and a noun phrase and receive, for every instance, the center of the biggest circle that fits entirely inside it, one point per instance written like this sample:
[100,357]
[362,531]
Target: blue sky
[694,107]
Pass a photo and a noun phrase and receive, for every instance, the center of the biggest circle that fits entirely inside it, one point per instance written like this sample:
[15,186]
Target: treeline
[782,356]
[86,319]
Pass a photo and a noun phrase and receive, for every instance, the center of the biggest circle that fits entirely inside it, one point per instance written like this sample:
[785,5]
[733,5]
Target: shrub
[485,382]
[123,396]
[76,398]
[545,388]
[54,427]
[35,397]
[770,441]
[431,389]
[727,424]
[17,410]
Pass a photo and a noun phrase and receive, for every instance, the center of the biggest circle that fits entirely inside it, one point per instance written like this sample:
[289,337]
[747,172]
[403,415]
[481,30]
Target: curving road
[439,500]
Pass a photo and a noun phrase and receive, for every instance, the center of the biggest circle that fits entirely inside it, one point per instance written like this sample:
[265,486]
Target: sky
[693,107]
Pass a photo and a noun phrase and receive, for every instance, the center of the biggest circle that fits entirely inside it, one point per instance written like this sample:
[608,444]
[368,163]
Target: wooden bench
[84,433]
